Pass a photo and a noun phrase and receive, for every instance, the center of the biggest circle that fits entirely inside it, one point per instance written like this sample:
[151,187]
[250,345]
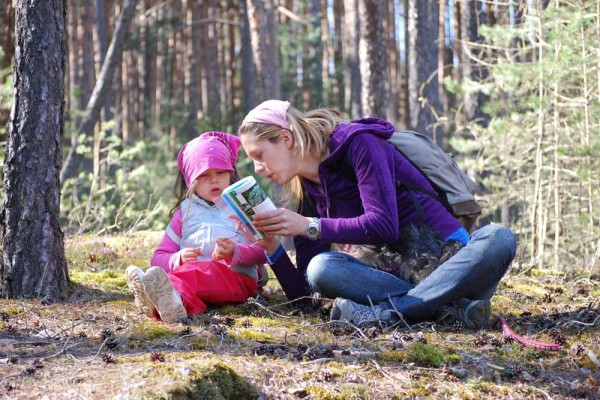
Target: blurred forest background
[510,87]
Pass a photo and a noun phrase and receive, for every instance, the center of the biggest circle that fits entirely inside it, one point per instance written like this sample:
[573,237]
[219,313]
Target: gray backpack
[453,187]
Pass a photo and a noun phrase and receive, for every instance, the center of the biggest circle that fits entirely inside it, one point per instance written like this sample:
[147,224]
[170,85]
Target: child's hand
[224,249]
[189,254]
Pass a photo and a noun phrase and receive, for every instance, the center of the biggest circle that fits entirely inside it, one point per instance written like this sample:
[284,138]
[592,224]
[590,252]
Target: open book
[243,199]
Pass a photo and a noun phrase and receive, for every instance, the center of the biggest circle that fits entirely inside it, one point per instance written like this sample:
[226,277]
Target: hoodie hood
[343,134]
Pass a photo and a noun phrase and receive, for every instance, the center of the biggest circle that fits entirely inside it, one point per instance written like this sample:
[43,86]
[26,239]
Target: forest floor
[97,346]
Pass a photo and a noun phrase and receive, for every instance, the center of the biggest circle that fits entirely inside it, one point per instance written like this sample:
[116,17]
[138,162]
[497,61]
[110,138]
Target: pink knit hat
[273,112]
[216,150]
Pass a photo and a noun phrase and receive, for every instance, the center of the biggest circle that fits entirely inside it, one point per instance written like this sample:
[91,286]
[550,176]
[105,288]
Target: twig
[256,303]
[385,374]
[399,314]
[318,360]
[335,323]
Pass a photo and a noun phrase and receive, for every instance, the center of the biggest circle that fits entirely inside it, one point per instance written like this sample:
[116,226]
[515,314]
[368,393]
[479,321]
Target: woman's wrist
[274,256]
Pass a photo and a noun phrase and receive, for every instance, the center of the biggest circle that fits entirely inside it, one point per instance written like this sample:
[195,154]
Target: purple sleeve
[292,280]
[166,255]
[377,187]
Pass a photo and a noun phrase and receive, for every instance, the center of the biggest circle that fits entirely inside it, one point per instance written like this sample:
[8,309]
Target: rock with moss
[194,381]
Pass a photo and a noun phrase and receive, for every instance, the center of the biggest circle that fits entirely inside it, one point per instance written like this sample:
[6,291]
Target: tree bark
[422,65]
[263,28]
[7,24]
[315,55]
[150,42]
[247,60]
[34,263]
[469,39]
[338,53]
[104,80]
[353,76]
[373,58]
[213,68]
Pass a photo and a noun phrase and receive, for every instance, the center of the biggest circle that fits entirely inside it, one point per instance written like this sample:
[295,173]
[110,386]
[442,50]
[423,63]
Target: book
[243,199]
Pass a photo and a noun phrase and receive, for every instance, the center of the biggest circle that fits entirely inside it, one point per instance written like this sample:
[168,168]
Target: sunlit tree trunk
[213,68]
[263,28]
[149,63]
[423,89]
[373,58]
[353,74]
[338,54]
[34,263]
[7,25]
[394,68]
[469,56]
[314,60]
[247,60]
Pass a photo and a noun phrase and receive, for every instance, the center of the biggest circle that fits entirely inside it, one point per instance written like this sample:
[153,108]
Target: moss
[425,354]
[254,335]
[107,278]
[587,363]
[12,310]
[197,342]
[150,329]
[392,356]
[347,391]
[210,380]
[258,321]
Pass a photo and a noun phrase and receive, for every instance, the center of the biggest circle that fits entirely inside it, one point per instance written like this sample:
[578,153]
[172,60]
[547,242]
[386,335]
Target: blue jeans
[473,273]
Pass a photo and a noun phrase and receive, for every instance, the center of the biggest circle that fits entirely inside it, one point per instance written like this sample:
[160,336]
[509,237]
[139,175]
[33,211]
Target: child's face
[210,184]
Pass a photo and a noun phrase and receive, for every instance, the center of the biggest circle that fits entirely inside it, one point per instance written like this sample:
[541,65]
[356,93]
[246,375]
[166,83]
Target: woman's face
[274,160]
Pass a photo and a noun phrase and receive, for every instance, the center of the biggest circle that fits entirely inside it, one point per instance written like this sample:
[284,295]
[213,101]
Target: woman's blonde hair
[310,131]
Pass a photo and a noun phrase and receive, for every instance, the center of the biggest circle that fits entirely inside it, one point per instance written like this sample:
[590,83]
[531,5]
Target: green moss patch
[210,380]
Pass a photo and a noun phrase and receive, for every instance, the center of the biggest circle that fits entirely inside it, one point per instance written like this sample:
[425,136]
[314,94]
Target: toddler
[202,257]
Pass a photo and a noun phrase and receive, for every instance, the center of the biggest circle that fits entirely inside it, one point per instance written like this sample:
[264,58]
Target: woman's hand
[224,249]
[189,254]
[281,222]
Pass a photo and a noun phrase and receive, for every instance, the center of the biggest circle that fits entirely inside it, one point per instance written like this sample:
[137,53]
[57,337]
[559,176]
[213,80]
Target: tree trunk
[338,54]
[7,24]
[373,58]
[353,77]
[315,55]
[195,51]
[150,43]
[422,66]
[247,60]
[104,80]
[263,28]
[470,41]
[394,68]
[213,74]
[34,263]
[106,168]
[7,27]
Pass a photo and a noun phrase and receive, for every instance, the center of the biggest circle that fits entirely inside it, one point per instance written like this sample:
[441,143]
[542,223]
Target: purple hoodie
[367,209]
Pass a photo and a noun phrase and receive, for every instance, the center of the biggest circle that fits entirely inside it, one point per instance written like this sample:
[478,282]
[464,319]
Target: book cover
[243,199]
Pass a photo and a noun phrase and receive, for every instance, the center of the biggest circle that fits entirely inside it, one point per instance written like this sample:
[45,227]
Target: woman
[348,180]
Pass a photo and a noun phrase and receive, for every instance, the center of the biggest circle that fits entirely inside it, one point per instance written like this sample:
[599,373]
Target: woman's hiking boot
[473,314]
[362,316]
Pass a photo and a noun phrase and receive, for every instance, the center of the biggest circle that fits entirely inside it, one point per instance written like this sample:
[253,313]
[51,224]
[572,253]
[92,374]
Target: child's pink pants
[212,282]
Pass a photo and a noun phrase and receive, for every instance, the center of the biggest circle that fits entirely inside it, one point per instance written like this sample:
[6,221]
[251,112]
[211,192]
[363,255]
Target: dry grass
[96,346]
